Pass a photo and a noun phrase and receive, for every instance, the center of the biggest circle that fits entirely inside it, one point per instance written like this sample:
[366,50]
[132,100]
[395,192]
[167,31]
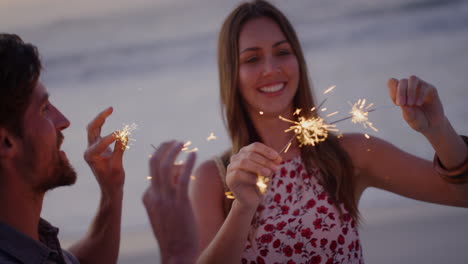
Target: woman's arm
[222,240]
[382,165]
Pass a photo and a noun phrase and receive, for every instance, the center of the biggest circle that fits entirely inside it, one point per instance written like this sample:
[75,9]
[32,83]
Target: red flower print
[283,172]
[291,262]
[318,223]
[269,228]
[280,225]
[284,209]
[330,201]
[279,183]
[277,198]
[351,246]
[315,259]
[290,220]
[291,234]
[296,212]
[340,251]
[298,247]
[306,233]
[331,216]
[299,168]
[357,244]
[292,174]
[260,260]
[264,252]
[329,261]
[244,261]
[322,196]
[322,210]
[341,239]
[289,188]
[313,242]
[277,243]
[345,230]
[310,204]
[261,208]
[323,242]
[333,245]
[266,238]
[346,217]
[353,224]
[287,250]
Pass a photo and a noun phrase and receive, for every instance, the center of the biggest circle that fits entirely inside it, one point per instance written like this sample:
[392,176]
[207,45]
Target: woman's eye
[251,59]
[283,52]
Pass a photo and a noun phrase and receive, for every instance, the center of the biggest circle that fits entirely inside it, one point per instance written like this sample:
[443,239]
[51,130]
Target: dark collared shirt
[16,247]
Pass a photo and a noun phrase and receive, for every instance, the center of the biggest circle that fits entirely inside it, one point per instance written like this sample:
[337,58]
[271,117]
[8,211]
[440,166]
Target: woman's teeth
[272,88]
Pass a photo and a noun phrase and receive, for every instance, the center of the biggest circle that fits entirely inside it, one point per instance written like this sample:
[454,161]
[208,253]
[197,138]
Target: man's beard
[60,172]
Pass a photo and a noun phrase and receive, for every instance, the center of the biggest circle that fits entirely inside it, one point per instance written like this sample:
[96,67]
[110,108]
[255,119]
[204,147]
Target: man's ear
[8,143]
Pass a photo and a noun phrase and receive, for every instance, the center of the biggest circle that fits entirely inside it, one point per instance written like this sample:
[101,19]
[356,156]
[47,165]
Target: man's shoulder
[6,258]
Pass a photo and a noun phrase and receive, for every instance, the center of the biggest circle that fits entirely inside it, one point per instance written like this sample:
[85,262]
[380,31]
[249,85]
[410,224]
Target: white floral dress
[297,223]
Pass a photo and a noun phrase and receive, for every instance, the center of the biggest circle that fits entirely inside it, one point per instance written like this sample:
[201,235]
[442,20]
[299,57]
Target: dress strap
[227,203]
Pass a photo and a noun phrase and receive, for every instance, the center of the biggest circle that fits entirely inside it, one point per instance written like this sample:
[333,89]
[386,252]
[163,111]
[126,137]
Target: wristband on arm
[458,175]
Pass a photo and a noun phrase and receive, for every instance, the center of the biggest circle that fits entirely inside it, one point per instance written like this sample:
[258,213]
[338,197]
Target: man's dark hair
[20,68]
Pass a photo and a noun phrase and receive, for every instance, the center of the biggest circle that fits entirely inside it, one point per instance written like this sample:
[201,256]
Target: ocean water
[155,63]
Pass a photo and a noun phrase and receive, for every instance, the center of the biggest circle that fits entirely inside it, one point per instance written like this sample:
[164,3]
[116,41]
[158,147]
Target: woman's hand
[420,103]
[241,175]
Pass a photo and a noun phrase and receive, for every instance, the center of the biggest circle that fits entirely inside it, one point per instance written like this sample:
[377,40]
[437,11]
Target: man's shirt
[16,247]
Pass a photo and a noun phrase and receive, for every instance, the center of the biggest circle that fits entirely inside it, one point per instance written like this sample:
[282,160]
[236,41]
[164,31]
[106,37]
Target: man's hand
[168,206]
[102,241]
[106,164]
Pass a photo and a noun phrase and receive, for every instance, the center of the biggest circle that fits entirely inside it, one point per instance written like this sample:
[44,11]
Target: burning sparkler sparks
[329,89]
[297,112]
[360,112]
[123,135]
[211,137]
[261,112]
[229,195]
[262,183]
[310,131]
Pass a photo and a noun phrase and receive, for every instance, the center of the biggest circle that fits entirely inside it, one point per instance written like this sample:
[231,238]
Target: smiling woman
[308,213]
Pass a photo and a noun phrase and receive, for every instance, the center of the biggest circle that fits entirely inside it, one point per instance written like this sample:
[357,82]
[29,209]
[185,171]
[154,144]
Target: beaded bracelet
[458,175]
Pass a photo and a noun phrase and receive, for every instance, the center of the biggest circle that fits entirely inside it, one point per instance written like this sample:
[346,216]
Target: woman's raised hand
[243,170]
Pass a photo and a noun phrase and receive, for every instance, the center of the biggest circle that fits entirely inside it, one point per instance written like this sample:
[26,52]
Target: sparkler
[309,131]
[229,195]
[359,112]
[211,137]
[329,89]
[123,135]
[262,183]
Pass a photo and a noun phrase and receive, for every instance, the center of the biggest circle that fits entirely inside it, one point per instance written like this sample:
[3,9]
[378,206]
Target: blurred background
[155,63]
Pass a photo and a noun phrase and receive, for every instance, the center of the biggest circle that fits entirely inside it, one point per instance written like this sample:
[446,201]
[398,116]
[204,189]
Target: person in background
[309,212]
[31,164]
[168,206]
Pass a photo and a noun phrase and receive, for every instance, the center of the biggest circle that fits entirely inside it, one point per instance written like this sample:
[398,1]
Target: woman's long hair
[333,162]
